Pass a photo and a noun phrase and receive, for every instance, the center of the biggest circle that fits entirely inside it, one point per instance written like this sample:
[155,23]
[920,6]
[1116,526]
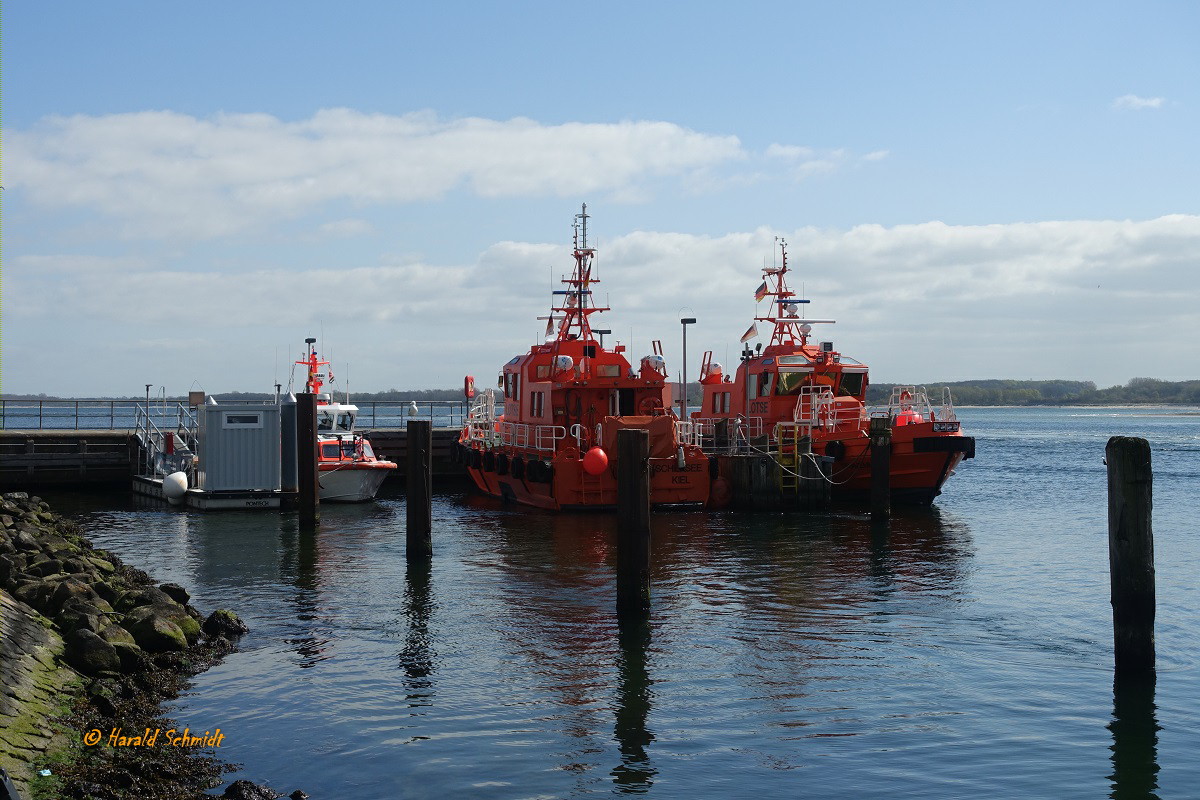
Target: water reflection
[298,564]
[417,655]
[1135,741]
[634,775]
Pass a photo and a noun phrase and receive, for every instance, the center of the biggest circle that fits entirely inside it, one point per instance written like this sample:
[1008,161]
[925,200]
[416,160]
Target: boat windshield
[852,383]
[790,382]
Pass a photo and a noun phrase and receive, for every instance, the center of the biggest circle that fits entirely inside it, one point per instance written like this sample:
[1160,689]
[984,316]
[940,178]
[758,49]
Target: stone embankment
[90,643]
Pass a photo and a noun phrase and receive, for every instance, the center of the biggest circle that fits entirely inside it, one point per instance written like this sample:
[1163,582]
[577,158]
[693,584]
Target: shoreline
[93,649]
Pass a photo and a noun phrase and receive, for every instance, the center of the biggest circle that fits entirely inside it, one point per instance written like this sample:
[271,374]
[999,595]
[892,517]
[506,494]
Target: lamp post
[683,393]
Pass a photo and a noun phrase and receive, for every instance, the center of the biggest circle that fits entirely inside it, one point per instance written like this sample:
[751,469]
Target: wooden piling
[633,523]
[307,474]
[1131,554]
[881,467]
[419,514]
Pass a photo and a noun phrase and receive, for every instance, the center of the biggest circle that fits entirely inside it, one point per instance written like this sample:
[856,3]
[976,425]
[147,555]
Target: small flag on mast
[549,326]
[761,292]
[751,332]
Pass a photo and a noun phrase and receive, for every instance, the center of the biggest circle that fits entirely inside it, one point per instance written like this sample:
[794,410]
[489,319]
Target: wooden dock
[60,458]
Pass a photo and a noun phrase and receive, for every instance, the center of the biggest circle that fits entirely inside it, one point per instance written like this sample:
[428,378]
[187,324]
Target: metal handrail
[108,414]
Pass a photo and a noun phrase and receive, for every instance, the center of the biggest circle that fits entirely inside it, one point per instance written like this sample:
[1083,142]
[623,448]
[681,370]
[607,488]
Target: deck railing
[103,414]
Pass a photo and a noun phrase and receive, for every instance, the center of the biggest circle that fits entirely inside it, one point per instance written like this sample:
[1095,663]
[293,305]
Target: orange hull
[569,487]
[921,461]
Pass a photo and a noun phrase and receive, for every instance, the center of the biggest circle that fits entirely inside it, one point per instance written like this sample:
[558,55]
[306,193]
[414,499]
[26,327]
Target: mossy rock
[135,598]
[115,633]
[102,565]
[90,654]
[174,612]
[224,622]
[157,634]
[176,592]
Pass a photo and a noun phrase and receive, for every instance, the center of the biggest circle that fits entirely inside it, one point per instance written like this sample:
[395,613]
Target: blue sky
[971,190]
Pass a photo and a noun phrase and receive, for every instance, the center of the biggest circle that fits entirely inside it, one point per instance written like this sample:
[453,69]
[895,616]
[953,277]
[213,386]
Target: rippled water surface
[965,652]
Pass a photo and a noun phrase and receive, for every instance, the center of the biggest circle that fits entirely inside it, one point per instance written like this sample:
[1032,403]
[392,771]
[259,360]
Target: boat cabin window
[324,421]
[766,381]
[367,450]
[543,370]
[793,360]
[790,382]
[609,370]
[345,421]
[330,450]
[347,448]
[852,383]
[537,401]
[720,402]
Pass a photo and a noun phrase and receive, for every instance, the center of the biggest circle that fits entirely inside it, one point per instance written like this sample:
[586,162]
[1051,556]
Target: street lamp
[683,393]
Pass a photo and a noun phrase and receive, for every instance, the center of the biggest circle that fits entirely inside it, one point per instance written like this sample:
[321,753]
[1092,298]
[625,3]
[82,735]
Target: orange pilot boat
[348,470]
[550,441]
[795,392]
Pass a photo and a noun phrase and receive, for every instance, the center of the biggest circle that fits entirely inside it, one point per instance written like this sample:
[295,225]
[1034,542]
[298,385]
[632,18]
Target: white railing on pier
[153,424]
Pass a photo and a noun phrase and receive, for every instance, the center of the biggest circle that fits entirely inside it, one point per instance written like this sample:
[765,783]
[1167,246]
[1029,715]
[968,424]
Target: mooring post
[307,477]
[1131,554]
[633,523]
[419,514]
[881,467]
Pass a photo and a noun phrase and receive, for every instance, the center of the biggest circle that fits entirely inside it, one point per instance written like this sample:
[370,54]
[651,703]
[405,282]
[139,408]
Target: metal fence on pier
[121,415]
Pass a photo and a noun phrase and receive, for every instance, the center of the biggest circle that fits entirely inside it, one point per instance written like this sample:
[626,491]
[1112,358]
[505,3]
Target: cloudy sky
[972,190]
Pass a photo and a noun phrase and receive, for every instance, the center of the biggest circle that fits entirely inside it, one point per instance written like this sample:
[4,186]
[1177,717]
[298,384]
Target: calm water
[966,653]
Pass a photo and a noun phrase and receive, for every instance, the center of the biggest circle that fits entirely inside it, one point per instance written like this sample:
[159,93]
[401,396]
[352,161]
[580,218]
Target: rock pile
[112,617]
[135,643]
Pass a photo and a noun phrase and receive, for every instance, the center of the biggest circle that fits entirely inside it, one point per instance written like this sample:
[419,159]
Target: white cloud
[1131,102]
[345,229]
[876,155]
[168,175]
[1100,300]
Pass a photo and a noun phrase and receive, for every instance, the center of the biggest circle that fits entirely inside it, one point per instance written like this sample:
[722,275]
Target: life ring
[650,407]
[823,414]
[469,386]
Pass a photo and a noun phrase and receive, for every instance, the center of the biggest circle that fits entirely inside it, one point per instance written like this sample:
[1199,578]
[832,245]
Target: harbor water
[964,651]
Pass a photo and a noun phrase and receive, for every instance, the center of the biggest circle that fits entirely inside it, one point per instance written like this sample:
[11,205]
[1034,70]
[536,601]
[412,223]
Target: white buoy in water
[175,487]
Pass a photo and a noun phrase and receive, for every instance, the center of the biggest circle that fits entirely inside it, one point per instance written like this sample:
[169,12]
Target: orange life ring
[469,386]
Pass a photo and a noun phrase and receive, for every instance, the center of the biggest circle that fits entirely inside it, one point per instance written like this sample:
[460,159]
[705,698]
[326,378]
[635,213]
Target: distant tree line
[1053,393]
[966,393]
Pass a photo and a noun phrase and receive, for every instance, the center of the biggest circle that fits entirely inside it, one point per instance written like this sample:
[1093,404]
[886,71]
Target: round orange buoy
[595,461]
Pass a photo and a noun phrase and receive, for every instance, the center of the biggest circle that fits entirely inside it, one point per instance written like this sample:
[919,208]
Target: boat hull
[352,483]
[921,462]
[567,486]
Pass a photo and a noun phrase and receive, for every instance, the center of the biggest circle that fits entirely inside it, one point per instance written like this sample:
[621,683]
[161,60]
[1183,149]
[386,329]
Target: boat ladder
[791,440]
